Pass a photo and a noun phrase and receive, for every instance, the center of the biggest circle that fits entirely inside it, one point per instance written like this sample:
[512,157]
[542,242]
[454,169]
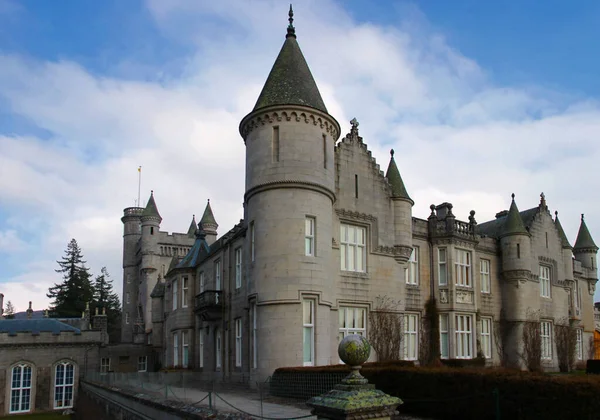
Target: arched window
[63,385]
[20,388]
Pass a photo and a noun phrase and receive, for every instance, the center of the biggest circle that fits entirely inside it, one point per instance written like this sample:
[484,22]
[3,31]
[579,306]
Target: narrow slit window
[324,151]
[356,185]
[275,145]
[518,250]
[546,239]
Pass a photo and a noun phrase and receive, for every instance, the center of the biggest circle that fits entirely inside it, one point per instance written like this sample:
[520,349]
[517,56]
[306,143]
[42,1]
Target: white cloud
[458,137]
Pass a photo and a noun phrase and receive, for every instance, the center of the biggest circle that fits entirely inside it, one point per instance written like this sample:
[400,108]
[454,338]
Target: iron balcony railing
[209,299]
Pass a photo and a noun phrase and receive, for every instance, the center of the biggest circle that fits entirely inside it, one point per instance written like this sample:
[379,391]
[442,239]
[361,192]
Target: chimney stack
[29,311]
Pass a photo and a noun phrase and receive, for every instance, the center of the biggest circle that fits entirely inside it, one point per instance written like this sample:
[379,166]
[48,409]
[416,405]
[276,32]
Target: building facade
[326,234]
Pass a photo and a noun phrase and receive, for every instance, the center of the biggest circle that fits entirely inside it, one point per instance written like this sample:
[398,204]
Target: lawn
[40,416]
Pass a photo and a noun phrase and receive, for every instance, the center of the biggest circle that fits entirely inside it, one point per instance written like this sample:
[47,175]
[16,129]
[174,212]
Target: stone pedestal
[354,398]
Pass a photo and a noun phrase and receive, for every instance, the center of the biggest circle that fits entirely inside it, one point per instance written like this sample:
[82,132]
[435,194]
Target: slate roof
[584,238]
[195,254]
[496,228]
[208,218]
[290,81]
[151,209]
[395,180]
[14,326]
[159,289]
[561,233]
[192,229]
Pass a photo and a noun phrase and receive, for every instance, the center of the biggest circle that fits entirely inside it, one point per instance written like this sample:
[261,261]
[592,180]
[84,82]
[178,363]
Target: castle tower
[402,204]
[290,184]
[209,224]
[192,229]
[132,232]
[585,248]
[150,231]
[567,254]
[516,270]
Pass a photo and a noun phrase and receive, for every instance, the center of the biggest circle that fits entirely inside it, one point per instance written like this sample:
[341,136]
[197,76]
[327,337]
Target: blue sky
[89,90]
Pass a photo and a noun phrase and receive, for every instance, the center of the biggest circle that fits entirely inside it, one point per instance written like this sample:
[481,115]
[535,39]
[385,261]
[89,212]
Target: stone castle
[325,233]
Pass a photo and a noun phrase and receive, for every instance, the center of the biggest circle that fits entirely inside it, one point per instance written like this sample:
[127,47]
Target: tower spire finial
[291,31]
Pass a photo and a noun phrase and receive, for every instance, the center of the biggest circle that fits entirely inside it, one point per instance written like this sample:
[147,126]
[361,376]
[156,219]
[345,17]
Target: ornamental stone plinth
[354,398]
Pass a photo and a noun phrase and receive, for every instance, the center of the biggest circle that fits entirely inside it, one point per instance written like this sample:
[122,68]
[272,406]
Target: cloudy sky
[479,100]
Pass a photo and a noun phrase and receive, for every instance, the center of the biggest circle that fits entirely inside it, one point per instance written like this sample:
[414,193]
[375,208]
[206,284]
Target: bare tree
[591,348]
[502,331]
[565,336]
[9,313]
[532,342]
[386,329]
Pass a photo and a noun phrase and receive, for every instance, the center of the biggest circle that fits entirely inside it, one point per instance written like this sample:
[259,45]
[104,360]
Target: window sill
[355,274]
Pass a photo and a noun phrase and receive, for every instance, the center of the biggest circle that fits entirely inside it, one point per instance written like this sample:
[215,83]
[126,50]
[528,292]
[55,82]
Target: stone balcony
[209,304]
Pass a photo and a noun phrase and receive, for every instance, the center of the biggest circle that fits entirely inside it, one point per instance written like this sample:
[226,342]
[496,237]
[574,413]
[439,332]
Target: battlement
[133,211]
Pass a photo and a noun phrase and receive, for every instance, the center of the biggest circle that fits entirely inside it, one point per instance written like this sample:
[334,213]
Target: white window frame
[218,349]
[309,236]
[576,296]
[443,266]
[175,293]
[175,349]
[201,281]
[105,365]
[411,336]
[142,364]
[579,344]
[308,332]
[218,275]
[462,268]
[486,337]
[545,281]
[254,334]
[444,332]
[127,298]
[201,348]
[21,388]
[352,320]
[353,248]
[463,328]
[185,349]
[484,272]
[252,249]
[184,291]
[411,273]
[238,268]
[64,384]
[238,342]
[546,337]
[127,318]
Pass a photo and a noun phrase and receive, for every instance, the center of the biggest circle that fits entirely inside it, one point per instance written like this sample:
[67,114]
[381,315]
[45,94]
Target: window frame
[463,274]
[463,337]
[411,338]
[185,350]
[443,263]
[545,282]
[201,348]
[486,337]
[22,388]
[348,247]
[238,342]
[64,386]
[201,282]
[238,267]
[411,273]
[444,331]
[142,365]
[175,349]
[104,367]
[185,283]
[344,329]
[218,275]
[579,344]
[308,328]
[310,223]
[485,276]
[546,339]
[175,292]
[218,349]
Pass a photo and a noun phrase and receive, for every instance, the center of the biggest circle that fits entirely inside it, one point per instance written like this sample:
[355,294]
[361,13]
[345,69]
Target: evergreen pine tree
[9,313]
[70,296]
[106,298]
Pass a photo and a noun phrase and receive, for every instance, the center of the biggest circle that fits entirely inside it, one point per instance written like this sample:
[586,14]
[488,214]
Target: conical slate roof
[208,217]
[395,180]
[513,223]
[192,229]
[584,238]
[151,209]
[198,250]
[561,233]
[290,81]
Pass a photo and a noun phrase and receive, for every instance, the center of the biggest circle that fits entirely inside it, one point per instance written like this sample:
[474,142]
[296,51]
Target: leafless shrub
[565,336]
[386,331]
[532,342]
[502,331]
[429,348]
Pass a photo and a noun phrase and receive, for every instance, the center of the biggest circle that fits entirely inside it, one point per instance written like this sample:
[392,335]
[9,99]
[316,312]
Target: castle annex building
[325,233]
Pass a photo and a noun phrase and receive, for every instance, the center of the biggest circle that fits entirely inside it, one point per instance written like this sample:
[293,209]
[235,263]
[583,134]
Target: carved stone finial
[392,153]
[582,217]
[432,208]
[291,31]
[543,200]
[556,213]
[513,196]
[354,122]
[472,217]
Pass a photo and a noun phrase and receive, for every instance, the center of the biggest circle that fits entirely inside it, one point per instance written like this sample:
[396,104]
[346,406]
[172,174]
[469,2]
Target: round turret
[585,248]
[515,244]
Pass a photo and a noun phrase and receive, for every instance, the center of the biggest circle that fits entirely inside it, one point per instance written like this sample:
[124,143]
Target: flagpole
[139,185]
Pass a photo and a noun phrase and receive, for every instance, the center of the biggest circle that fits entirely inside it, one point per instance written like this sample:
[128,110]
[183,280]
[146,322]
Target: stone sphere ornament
[354,350]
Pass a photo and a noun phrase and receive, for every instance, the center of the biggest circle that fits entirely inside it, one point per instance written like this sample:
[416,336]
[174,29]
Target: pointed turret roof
[192,229]
[561,233]
[513,225]
[584,238]
[290,81]
[151,209]
[208,218]
[395,180]
[197,252]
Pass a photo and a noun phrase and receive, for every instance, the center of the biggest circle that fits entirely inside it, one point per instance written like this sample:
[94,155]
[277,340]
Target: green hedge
[465,393]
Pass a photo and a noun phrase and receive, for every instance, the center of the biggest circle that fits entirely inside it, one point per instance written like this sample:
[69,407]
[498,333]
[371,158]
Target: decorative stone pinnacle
[392,153]
[513,196]
[556,213]
[432,208]
[542,200]
[582,217]
[291,31]
[354,122]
